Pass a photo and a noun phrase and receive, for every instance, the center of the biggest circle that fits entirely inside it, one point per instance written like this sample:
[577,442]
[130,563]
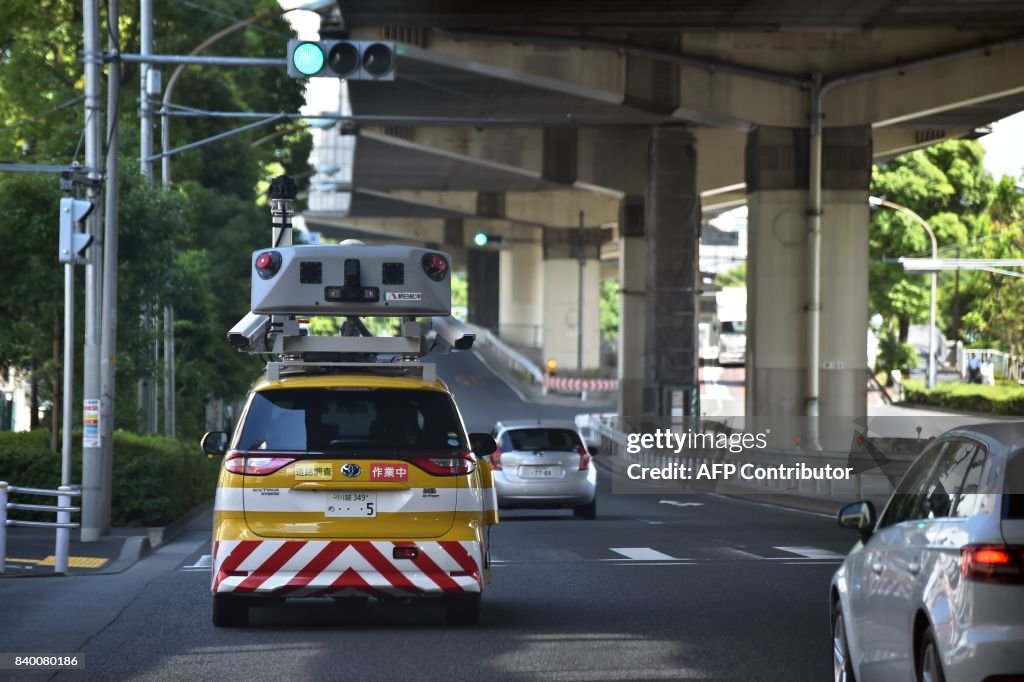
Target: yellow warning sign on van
[312,471]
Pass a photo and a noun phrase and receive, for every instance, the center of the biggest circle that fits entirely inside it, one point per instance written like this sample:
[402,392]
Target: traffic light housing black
[487,239]
[372,60]
[71,241]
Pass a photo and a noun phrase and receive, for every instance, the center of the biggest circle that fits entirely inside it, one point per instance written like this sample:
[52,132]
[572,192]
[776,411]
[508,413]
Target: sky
[1004,148]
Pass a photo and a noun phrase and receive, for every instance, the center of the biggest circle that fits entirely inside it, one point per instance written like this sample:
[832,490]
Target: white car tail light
[993,563]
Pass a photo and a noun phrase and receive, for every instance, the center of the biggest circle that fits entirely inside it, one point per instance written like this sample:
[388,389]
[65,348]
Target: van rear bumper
[323,568]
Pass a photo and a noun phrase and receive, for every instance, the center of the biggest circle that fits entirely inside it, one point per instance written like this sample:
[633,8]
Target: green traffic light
[308,58]
[480,239]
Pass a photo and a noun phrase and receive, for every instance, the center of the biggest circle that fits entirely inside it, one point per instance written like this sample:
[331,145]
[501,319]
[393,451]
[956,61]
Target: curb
[138,546]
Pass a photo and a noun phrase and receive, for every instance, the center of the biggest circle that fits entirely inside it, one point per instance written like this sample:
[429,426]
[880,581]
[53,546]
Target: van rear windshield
[347,420]
[1015,486]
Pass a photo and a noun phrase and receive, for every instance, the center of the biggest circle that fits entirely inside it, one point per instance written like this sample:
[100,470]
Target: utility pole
[108,321]
[146,383]
[92,466]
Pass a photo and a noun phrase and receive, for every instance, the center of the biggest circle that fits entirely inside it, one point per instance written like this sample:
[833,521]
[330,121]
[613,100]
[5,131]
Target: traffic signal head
[483,239]
[71,241]
[352,59]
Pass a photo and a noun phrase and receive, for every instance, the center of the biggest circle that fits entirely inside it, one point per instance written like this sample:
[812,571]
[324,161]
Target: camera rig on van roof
[352,280]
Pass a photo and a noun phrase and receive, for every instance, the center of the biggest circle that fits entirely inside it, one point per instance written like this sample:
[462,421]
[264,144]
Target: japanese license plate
[537,472]
[351,505]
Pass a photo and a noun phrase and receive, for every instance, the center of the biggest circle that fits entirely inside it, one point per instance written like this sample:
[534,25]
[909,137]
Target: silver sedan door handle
[876,566]
[914,567]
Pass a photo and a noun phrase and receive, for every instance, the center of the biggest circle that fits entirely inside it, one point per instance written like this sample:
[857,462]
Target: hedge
[155,479]
[1006,399]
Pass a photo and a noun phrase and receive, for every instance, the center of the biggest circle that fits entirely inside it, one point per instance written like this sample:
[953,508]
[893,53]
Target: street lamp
[877,201]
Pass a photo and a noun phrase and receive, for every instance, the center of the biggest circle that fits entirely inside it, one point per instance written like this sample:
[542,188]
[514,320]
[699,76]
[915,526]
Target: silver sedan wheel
[839,650]
[931,669]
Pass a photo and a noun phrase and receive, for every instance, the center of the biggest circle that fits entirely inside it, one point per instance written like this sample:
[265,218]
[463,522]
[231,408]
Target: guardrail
[507,355]
[63,509]
[873,483]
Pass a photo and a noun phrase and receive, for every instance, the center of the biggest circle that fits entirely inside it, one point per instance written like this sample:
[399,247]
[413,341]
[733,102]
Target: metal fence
[875,484]
[1005,365]
[63,525]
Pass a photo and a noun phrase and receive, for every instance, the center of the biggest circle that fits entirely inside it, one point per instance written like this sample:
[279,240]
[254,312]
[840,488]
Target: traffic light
[72,242]
[483,239]
[366,60]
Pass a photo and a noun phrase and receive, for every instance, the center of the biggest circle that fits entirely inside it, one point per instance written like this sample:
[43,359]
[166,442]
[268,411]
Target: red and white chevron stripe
[574,385]
[308,568]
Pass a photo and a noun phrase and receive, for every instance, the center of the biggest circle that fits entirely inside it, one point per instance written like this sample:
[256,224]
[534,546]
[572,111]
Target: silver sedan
[543,464]
[934,590]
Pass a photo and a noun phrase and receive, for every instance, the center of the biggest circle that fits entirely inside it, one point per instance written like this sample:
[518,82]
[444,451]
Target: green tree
[187,247]
[609,309]
[734,277]
[945,184]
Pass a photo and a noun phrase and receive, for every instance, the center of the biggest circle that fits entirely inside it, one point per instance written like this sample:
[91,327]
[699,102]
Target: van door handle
[876,567]
[914,567]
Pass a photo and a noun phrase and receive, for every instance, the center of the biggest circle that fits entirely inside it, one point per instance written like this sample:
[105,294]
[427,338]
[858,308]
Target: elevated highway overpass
[647,116]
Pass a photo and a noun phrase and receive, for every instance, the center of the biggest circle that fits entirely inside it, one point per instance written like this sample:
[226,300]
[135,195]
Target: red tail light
[250,464]
[447,465]
[584,458]
[496,459]
[992,563]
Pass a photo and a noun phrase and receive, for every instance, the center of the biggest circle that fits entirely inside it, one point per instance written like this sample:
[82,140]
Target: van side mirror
[215,443]
[859,516]
[482,444]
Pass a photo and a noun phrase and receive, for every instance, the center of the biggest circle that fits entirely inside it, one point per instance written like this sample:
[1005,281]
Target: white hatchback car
[543,464]
[935,588]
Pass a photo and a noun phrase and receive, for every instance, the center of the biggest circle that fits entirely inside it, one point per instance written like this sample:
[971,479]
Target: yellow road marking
[23,561]
[76,561]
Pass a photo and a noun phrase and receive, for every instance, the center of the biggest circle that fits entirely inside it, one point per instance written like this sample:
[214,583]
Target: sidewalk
[30,551]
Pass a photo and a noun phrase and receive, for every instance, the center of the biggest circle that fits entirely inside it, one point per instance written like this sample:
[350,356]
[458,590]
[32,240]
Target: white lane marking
[681,504]
[739,553]
[811,563]
[680,562]
[811,552]
[203,563]
[642,554]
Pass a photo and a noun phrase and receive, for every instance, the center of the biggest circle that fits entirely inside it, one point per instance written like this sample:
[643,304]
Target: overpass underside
[640,120]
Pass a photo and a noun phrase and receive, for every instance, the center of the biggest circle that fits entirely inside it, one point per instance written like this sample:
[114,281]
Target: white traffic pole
[69,371]
[3,526]
[60,565]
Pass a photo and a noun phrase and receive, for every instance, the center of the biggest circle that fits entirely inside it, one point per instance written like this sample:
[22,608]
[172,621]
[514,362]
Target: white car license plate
[538,472]
[351,505]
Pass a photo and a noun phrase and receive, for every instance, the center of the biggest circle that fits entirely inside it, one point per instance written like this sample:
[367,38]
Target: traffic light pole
[92,465]
[108,312]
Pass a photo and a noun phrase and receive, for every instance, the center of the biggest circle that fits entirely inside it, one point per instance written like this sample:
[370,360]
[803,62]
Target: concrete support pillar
[778,274]
[632,316]
[671,232]
[520,306]
[483,276]
[561,306]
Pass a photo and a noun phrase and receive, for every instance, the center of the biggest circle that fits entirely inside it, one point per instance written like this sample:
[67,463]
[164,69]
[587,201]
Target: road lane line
[811,552]
[642,554]
[681,504]
[739,553]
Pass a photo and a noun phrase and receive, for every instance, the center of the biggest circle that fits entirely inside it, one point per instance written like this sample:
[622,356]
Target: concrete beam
[718,97]
[544,208]
[921,92]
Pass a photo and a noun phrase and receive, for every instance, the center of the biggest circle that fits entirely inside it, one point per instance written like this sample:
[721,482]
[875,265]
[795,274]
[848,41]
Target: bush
[1005,399]
[894,355]
[155,479]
